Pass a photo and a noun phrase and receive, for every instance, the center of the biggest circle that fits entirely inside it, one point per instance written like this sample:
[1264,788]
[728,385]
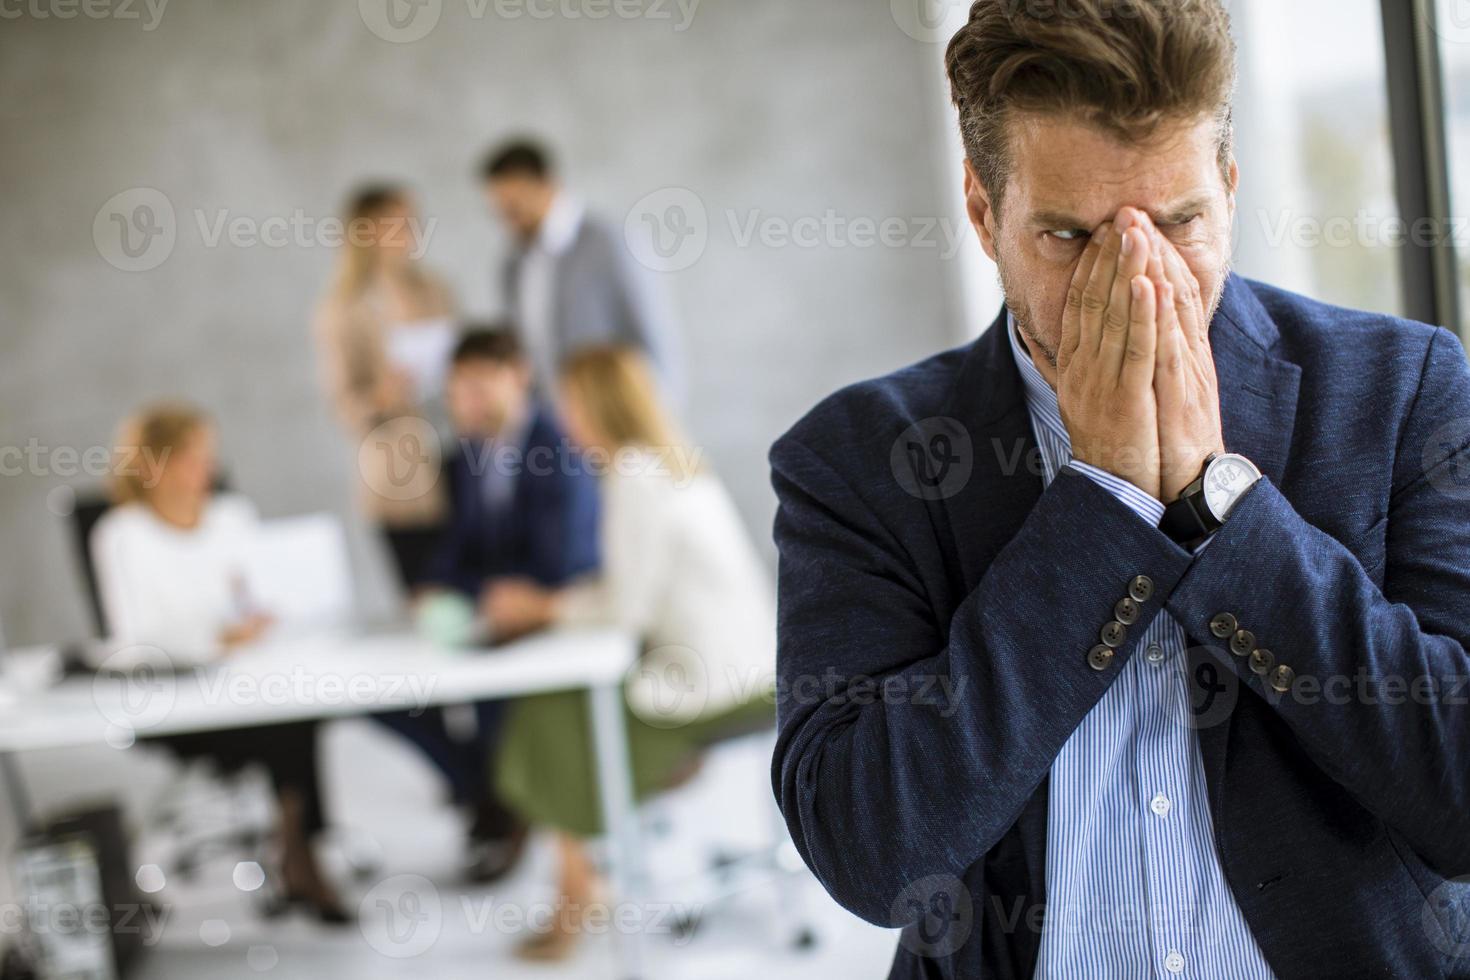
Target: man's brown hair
[1121,65]
[496,341]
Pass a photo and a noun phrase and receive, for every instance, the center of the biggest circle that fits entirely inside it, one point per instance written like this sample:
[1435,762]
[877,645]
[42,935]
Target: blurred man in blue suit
[523,504]
[1131,639]
[522,501]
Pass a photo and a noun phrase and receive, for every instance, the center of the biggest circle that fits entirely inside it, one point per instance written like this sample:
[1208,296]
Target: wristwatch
[1203,507]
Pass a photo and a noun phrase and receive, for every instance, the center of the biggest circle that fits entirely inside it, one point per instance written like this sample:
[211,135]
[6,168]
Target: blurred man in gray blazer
[571,282]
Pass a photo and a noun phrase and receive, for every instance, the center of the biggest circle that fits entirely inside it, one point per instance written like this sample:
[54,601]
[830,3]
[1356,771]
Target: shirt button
[1174,962]
[1154,654]
[1160,805]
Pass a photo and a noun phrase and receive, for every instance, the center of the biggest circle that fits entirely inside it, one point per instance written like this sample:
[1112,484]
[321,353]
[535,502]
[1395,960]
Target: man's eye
[1070,235]
[1182,224]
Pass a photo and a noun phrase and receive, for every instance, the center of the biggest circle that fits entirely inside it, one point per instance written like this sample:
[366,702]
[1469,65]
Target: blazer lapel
[1258,399]
[1005,480]
[1258,391]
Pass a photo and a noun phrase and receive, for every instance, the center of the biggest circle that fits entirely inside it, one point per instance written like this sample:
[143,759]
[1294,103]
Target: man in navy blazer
[1131,639]
[522,502]
[522,505]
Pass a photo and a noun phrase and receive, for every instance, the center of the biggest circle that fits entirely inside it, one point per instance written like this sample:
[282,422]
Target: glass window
[1316,210]
[1453,30]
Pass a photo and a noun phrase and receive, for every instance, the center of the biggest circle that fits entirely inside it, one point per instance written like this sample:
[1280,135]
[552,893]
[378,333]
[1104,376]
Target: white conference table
[326,676]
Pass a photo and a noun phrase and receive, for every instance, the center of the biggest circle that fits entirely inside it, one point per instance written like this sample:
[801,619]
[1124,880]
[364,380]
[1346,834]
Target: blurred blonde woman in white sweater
[680,571]
[170,562]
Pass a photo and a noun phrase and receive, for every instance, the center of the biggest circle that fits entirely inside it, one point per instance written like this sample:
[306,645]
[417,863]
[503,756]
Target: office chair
[727,874]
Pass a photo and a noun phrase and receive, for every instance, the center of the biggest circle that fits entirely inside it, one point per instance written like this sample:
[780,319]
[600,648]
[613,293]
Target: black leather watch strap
[1182,523]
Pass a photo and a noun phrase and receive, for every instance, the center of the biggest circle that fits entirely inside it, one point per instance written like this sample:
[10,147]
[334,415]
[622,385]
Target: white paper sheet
[422,349]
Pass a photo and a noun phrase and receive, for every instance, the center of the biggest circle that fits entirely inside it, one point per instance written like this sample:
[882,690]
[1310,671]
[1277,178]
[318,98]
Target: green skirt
[546,769]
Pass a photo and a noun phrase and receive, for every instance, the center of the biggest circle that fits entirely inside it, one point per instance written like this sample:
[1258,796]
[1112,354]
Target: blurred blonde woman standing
[681,573]
[384,331]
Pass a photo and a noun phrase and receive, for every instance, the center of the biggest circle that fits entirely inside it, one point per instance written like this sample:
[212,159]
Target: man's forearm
[883,714]
[1377,702]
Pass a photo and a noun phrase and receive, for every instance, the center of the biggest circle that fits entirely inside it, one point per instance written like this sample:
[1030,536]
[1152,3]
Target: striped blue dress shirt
[1133,881]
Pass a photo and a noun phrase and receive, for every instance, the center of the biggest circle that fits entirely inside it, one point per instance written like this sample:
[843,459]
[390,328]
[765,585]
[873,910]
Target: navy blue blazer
[934,637]
[547,532]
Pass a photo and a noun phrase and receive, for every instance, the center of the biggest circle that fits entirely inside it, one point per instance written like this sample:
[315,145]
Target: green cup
[447,619]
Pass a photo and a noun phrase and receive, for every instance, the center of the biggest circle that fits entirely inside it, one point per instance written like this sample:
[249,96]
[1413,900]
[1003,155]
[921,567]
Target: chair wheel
[272,907]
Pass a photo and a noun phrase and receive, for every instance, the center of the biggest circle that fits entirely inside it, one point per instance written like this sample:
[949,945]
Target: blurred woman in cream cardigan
[681,573]
[384,333]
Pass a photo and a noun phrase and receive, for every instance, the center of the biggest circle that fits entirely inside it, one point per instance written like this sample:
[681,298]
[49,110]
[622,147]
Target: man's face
[1068,178]
[521,201]
[484,395]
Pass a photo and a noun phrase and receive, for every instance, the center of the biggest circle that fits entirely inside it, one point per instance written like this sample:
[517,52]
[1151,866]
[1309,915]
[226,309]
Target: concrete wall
[769,111]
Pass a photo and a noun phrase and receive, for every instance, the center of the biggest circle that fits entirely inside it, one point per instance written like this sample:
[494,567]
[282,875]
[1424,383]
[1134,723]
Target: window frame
[1429,269]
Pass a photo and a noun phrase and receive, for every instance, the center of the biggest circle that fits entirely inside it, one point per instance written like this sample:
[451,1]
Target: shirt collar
[517,434]
[560,226]
[513,437]
[1039,394]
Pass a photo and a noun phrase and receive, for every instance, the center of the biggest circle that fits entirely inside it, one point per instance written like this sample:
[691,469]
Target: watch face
[1226,481]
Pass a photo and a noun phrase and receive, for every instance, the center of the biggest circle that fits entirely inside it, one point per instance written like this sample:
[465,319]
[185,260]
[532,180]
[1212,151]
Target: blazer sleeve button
[1261,661]
[1126,611]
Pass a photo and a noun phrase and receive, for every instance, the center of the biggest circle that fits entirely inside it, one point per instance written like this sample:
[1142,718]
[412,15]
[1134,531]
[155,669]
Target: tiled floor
[418,922]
